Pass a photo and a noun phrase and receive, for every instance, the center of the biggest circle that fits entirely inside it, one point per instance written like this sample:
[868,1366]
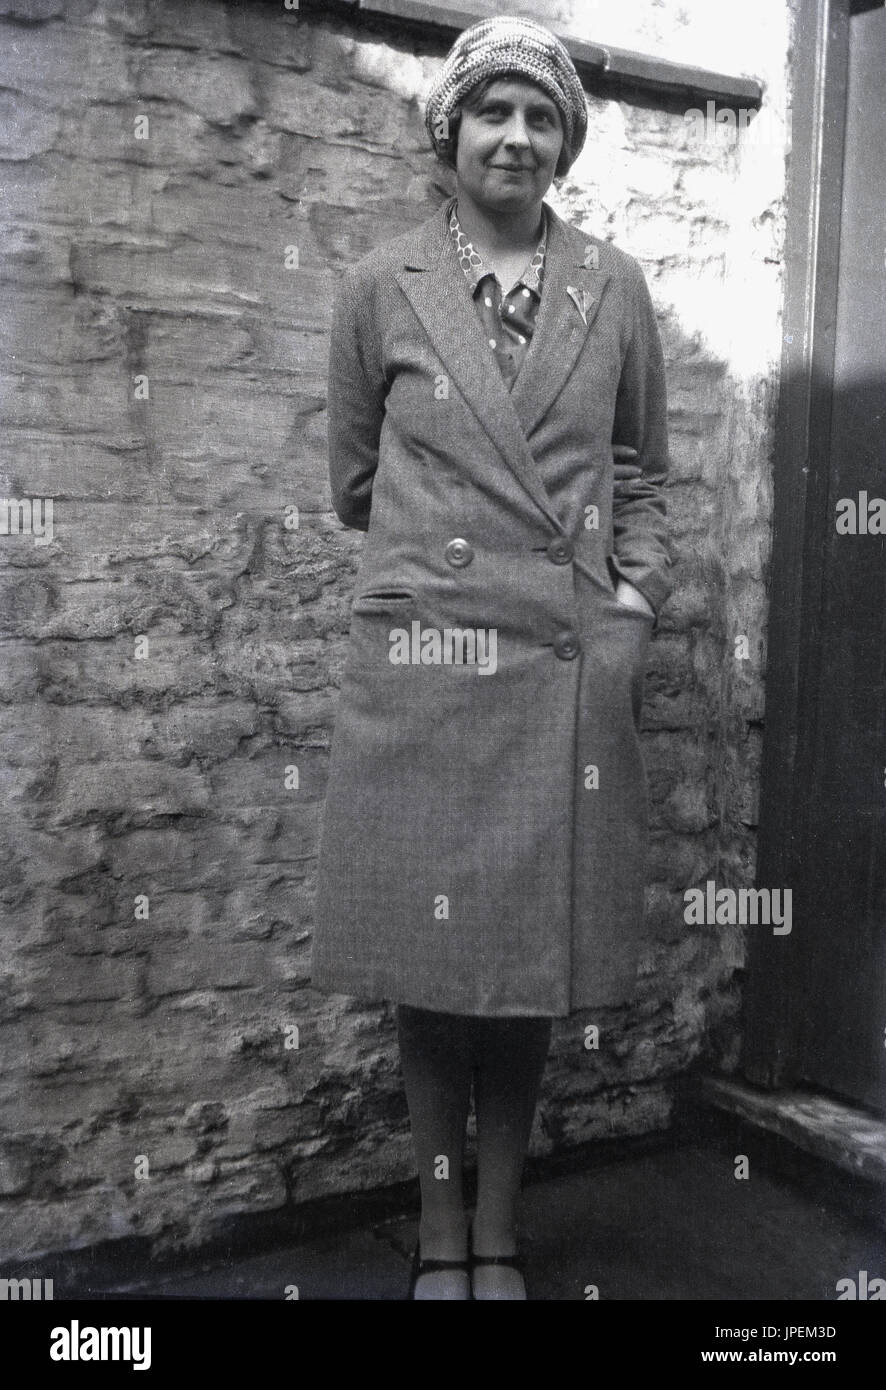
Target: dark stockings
[440,1053]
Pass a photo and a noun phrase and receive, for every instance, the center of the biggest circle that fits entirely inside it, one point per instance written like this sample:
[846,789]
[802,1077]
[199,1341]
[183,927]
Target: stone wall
[174,652]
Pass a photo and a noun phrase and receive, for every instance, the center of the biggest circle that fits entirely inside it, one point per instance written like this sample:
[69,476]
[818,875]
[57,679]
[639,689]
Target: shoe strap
[512,1261]
[436,1266]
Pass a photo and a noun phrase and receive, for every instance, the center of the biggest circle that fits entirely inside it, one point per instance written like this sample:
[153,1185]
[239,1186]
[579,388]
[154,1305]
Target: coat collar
[434,283]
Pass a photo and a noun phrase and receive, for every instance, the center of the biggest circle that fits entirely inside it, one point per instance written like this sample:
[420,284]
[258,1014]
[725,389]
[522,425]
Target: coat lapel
[570,299]
[434,284]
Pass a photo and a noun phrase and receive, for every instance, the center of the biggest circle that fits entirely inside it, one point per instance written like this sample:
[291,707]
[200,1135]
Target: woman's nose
[517,132]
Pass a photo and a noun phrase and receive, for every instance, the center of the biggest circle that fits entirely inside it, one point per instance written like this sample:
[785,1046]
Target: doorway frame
[777,986]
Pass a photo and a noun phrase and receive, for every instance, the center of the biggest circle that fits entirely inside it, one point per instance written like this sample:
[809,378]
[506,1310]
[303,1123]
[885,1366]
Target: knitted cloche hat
[491,48]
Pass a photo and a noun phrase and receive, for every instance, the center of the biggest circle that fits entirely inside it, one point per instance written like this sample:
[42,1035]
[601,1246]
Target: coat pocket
[387,599]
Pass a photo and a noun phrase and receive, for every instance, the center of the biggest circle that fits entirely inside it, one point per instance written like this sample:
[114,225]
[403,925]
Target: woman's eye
[496,112]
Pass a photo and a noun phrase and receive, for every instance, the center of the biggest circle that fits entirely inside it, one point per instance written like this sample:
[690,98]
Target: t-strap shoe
[483,1261]
[420,1267]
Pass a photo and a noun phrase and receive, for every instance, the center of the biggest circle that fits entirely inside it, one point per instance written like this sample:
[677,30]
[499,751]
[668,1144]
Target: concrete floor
[669,1225]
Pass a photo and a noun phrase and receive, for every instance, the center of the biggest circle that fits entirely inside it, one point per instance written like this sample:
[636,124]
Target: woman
[481,862]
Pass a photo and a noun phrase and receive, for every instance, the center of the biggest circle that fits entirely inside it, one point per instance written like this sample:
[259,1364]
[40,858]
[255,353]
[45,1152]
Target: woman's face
[508,146]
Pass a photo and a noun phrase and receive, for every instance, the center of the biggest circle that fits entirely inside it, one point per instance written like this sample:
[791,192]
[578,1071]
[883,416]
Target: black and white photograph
[443,670]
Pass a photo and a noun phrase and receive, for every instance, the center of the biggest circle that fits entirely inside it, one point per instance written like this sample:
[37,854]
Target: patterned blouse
[508,320]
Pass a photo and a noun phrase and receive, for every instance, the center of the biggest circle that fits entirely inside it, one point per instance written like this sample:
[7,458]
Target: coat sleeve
[355,403]
[642,549]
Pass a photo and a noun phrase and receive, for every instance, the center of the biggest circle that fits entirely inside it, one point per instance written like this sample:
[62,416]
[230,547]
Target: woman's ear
[563,164]
[563,160]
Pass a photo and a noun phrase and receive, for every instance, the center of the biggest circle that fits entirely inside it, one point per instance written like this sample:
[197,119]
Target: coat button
[459,553]
[566,645]
[560,550]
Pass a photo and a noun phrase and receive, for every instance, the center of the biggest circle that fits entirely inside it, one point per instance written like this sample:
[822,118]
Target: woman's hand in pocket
[632,598]
[625,471]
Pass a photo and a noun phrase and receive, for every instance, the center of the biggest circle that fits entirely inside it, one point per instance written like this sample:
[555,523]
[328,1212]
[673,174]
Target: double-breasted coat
[483,836]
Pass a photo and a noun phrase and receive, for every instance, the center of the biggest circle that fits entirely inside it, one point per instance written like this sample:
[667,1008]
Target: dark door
[842,1038]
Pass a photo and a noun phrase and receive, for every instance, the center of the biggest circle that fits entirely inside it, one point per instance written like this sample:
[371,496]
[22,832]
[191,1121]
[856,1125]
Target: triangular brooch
[582,301]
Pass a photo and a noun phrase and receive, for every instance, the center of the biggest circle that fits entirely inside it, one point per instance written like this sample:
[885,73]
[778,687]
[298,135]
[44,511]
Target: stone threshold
[854,1140]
